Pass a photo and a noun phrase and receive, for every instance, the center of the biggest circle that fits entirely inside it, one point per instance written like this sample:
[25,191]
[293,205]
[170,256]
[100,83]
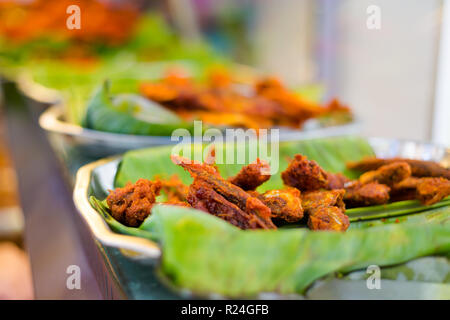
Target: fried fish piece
[202,197]
[304,174]
[131,204]
[174,189]
[284,204]
[229,191]
[328,218]
[360,195]
[252,175]
[405,189]
[336,181]
[388,174]
[313,200]
[419,168]
[432,190]
[427,190]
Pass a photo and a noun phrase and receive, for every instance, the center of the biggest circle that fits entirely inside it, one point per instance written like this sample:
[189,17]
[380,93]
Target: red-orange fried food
[419,168]
[174,189]
[132,204]
[360,195]
[304,174]
[328,218]
[229,191]
[101,22]
[388,174]
[252,175]
[203,197]
[284,204]
[433,190]
[336,181]
[405,189]
[313,200]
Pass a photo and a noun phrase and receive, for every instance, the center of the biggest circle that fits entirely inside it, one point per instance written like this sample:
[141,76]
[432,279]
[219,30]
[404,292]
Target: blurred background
[388,60]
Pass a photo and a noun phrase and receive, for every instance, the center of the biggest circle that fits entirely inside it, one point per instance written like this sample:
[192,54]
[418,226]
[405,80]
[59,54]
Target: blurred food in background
[265,103]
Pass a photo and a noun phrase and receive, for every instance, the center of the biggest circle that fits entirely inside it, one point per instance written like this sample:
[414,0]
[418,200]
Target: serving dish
[96,178]
[97,144]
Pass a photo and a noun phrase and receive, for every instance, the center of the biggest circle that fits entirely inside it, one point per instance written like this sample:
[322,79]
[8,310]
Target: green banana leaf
[103,115]
[330,153]
[206,255]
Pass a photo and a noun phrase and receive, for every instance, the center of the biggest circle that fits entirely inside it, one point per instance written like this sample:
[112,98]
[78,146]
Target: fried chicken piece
[131,204]
[252,175]
[313,200]
[419,168]
[388,174]
[202,197]
[174,189]
[229,191]
[336,181]
[284,204]
[360,195]
[328,218]
[304,174]
[433,190]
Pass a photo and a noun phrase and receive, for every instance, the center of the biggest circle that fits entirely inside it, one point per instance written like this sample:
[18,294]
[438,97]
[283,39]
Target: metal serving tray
[97,177]
[98,144]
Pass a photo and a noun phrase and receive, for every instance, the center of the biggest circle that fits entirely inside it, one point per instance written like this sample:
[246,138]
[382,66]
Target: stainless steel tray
[99,144]
[97,177]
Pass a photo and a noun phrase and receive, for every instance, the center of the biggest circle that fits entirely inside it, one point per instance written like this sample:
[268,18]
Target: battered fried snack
[328,218]
[313,200]
[234,194]
[174,189]
[284,204]
[360,195]
[336,181]
[132,204]
[202,197]
[405,189]
[252,175]
[419,168]
[304,174]
[388,174]
[433,190]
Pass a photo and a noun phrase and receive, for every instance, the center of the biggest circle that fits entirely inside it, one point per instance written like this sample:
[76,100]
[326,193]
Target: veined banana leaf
[331,153]
[207,255]
[103,115]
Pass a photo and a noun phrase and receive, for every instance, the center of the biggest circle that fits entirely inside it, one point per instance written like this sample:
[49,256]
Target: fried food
[328,218]
[174,189]
[433,190]
[202,197]
[131,204]
[104,23]
[313,200]
[252,175]
[419,168]
[284,204]
[267,104]
[388,174]
[234,194]
[360,195]
[336,181]
[304,174]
